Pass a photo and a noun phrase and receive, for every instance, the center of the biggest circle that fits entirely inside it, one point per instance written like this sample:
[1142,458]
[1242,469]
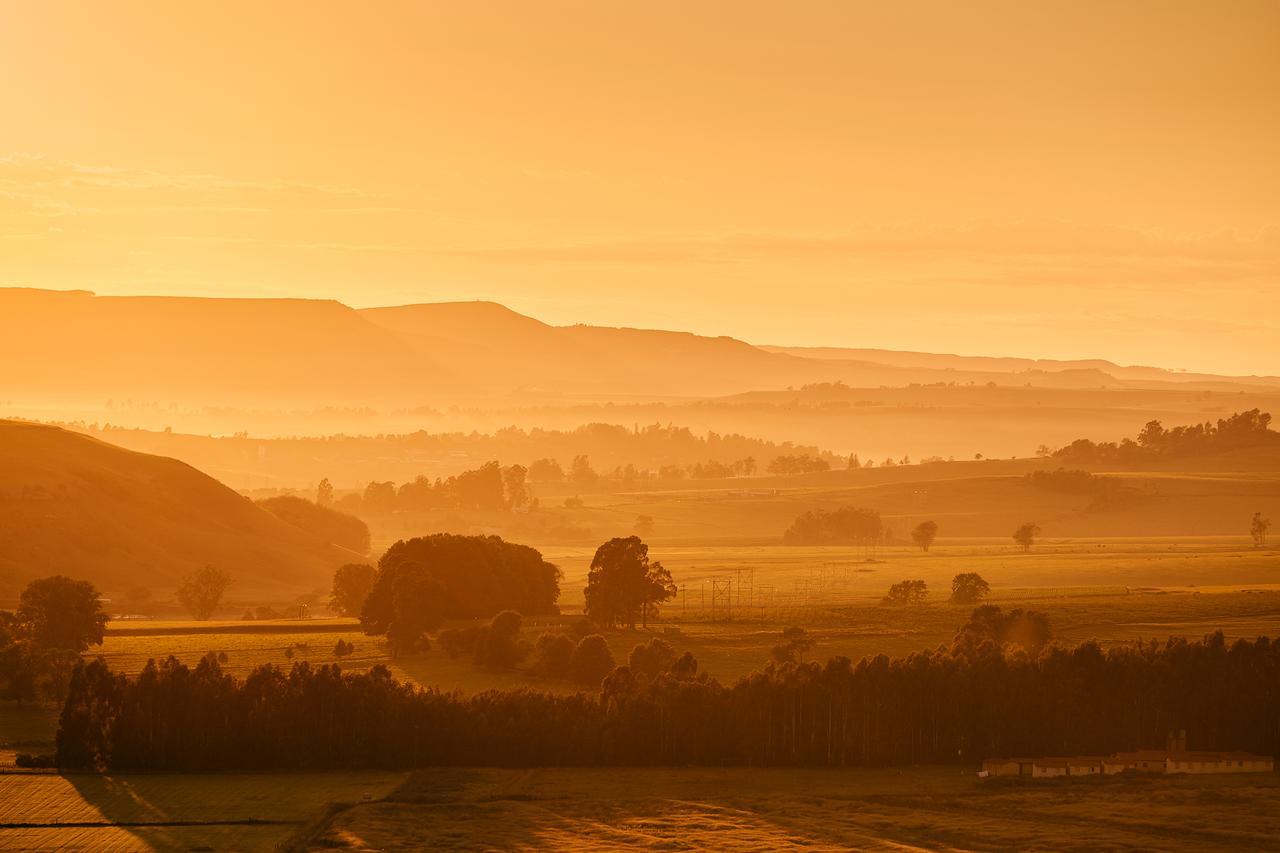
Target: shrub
[591,661]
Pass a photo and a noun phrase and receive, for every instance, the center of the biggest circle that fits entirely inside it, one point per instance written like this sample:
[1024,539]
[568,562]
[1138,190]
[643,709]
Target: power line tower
[745,579]
[722,598]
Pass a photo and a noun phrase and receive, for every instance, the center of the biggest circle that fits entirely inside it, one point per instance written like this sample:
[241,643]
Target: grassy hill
[73,505]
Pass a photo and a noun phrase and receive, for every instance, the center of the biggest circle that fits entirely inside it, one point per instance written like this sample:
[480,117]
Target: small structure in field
[1174,758]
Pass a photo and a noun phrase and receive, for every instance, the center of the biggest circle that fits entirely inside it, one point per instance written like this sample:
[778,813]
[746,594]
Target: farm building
[1175,758]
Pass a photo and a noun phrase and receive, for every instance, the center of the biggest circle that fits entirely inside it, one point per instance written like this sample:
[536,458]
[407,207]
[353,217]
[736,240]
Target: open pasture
[1112,591]
[808,576]
[748,809]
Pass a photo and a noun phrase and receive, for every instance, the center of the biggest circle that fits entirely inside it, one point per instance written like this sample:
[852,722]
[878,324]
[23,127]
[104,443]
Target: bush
[27,759]
[459,641]
[552,654]
[907,592]
[652,658]
[591,661]
[499,646]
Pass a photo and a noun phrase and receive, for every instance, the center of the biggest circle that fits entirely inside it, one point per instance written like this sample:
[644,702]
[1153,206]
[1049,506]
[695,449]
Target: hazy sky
[1032,178]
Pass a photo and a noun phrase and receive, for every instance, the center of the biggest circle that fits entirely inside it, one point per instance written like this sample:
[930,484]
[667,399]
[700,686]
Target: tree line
[1240,430]
[983,696]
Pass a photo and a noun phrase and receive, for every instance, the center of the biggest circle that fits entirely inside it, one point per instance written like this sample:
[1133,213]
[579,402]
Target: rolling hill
[70,504]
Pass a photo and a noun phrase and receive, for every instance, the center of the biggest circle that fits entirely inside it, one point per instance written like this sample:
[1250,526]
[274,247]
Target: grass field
[232,811]
[1109,590]
[747,809]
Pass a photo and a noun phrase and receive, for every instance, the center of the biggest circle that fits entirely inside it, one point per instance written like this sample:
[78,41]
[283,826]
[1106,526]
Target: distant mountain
[73,505]
[497,349]
[1093,367]
[215,351]
[60,346]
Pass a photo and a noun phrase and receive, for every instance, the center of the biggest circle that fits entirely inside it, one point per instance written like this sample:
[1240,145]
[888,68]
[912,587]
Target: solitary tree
[324,492]
[622,584]
[907,592]
[924,534]
[202,591]
[351,585]
[969,588]
[644,524]
[1026,535]
[60,613]
[581,472]
[513,483]
[545,471]
[1258,529]
[795,642]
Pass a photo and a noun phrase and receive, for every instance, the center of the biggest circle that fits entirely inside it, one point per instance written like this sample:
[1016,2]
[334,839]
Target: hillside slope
[73,505]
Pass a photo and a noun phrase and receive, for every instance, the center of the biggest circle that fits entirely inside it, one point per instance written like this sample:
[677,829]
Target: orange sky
[1046,179]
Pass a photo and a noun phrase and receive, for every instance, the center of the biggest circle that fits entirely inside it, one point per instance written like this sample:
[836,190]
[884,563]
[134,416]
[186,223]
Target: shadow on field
[145,806]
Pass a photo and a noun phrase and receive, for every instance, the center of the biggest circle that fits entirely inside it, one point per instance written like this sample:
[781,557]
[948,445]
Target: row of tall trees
[974,700]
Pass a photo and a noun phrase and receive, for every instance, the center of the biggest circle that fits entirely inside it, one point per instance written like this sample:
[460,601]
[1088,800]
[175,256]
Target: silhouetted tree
[1026,535]
[201,591]
[379,498]
[907,592]
[924,533]
[1258,529]
[324,493]
[622,584]
[351,586]
[418,605]
[60,613]
[513,481]
[475,576]
[968,588]
[581,472]
[545,471]
[795,642]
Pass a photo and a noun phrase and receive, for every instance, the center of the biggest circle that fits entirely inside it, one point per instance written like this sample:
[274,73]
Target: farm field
[968,500]
[1113,590]
[155,811]
[1109,590]
[748,809]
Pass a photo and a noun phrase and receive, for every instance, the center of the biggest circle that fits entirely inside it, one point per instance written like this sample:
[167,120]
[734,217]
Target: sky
[1050,179]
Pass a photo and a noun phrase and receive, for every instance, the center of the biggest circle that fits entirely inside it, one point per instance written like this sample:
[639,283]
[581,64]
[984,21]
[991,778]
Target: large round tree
[60,613]
[623,585]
